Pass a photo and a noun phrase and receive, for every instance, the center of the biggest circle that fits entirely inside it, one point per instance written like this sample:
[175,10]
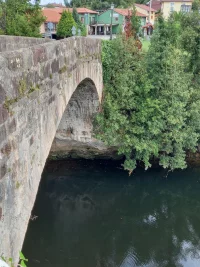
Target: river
[92,214]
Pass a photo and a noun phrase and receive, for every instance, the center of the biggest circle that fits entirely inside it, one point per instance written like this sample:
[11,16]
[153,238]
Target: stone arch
[75,128]
[76,122]
[36,85]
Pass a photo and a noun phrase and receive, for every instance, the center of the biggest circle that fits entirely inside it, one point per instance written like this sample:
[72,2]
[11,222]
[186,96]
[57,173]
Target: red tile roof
[126,12]
[145,7]
[156,4]
[123,12]
[51,15]
[85,10]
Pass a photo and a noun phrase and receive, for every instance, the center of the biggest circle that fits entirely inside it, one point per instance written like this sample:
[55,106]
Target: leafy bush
[64,28]
[151,106]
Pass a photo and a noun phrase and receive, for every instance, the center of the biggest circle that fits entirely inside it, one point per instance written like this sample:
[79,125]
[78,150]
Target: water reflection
[94,216]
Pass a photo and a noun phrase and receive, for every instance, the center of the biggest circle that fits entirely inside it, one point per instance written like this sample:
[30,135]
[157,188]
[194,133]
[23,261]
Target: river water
[92,214]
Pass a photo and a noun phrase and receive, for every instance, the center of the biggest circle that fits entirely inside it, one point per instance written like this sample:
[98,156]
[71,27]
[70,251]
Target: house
[169,6]
[103,23]
[155,4]
[53,15]
[149,12]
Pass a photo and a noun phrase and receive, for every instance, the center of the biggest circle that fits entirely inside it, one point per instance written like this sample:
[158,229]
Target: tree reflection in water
[100,217]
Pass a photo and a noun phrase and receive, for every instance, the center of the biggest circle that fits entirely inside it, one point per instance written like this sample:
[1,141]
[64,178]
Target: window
[151,12]
[151,17]
[171,7]
[45,26]
[82,19]
[185,8]
[116,19]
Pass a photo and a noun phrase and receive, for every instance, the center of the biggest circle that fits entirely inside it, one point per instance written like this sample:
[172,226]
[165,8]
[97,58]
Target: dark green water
[92,215]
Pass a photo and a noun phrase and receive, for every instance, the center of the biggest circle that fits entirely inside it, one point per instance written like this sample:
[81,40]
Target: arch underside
[74,137]
[76,122]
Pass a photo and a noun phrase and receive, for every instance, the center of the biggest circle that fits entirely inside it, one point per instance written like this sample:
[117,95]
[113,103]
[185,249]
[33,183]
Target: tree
[50,5]
[135,22]
[67,3]
[2,17]
[126,103]
[65,25]
[102,4]
[190,24]
[20,17]
[79,24]
[151,107]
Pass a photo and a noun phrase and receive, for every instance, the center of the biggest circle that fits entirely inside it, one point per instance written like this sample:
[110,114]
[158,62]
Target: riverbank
[65,149]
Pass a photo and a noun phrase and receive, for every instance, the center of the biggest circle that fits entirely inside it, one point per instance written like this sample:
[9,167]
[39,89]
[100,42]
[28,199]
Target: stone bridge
[43,84]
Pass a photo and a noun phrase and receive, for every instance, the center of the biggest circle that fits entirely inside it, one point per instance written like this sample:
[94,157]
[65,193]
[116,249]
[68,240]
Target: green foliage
[22,260]
[190,38]
[103,4]
[67,3]
[75,15]
[64,28]
[20,18]
[151,106]
[135,23]
[79,24]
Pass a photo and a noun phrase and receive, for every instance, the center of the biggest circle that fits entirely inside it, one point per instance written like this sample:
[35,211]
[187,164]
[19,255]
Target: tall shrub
[64,28]
[79,24]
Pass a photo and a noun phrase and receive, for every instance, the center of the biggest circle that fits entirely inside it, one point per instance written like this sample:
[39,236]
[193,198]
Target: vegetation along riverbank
[151,104]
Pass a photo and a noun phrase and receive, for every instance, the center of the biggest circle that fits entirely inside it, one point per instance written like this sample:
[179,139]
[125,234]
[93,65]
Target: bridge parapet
[11,43]
[36,84]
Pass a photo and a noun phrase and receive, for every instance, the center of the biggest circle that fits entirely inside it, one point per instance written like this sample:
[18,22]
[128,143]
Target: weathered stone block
[55,66]
[3,114]
[6,149]
[1,213]
[15,60]
[2,170]
[2,94]
[2,134]
[39,54]
[12,126]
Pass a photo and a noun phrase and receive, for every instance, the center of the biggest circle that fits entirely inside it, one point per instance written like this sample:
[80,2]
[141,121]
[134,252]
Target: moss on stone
[33,88]
[22,87]
[63,69]
[18,184]
[8,102]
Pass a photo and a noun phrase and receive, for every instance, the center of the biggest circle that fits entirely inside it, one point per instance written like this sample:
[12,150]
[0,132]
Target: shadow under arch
[75,127]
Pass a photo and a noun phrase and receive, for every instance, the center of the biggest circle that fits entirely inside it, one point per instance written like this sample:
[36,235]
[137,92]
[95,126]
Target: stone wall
[11,43]
[36,84]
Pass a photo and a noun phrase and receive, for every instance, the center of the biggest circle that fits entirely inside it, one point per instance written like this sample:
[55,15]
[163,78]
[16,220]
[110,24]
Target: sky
[43,2]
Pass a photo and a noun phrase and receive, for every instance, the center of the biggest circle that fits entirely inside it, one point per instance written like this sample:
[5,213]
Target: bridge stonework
[37,80]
